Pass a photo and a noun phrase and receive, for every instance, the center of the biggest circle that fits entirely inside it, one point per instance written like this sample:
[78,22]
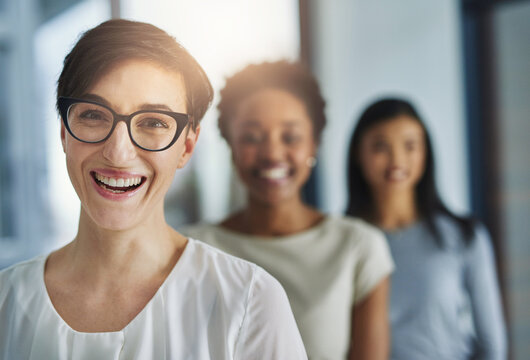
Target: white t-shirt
[325,271]
[211,306]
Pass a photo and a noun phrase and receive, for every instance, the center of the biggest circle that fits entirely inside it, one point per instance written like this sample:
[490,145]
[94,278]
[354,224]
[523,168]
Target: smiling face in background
[101,172]
[271,137]
[392,155]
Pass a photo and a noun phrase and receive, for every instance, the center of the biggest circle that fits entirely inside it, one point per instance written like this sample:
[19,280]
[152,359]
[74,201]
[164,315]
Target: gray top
[445,302]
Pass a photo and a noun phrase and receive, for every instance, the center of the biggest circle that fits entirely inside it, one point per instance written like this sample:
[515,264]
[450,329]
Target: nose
[119,148]
[271,149]
[397,156]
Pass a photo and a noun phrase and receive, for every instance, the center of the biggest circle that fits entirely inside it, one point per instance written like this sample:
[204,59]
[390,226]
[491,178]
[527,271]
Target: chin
[112,221]
[272,199]
[398,186]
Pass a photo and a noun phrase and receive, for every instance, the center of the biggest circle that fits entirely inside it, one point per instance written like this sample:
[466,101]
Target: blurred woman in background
[444,300]
[334,269]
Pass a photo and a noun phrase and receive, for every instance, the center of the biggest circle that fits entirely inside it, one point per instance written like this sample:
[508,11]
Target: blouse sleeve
[373,265]
[269,329]
[481,280]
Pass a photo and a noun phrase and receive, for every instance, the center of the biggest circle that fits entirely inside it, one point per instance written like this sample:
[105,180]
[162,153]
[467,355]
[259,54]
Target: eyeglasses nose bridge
[126,119]
[116,119]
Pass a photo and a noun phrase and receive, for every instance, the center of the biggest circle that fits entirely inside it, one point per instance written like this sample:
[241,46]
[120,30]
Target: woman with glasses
[129,286]
[334,269]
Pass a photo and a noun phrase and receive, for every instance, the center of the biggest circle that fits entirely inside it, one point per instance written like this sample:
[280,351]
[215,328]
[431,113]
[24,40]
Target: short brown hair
[292,77]
[117,40]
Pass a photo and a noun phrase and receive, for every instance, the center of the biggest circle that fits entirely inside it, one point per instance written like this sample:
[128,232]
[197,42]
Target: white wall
[52,41]
[368,48]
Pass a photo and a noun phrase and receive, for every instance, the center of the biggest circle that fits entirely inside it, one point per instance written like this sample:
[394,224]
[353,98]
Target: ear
[63,136]
[189,145]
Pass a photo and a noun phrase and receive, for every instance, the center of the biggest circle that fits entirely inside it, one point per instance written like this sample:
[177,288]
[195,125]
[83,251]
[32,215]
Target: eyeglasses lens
[93,123]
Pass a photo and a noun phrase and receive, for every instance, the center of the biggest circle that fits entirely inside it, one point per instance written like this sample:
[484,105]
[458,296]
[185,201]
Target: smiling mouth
[274,174]
[397,175]
[118,185]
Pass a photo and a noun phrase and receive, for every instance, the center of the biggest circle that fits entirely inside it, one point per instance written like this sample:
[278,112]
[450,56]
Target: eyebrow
[145,106]
[256,123]
[291,123]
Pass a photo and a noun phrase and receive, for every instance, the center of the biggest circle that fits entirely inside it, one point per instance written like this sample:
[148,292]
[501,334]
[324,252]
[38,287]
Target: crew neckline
[398,232]
[327,219]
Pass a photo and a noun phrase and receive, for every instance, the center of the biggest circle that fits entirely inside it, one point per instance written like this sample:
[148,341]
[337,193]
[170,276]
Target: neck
[140,252]
[394,210]
[274,220]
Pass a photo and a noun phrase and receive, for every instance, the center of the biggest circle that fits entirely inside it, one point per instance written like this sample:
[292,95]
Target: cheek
[301,154]
[418,161]
[167,163]
[372,165]
[305,149]
[75,153]
[163,164]
[243,155]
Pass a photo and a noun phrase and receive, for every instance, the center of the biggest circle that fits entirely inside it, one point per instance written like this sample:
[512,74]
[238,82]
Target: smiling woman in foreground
[129,286]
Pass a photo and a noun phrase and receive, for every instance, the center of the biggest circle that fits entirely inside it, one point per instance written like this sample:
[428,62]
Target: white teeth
[116,191]
[274,173]
[118,182]
[398,174]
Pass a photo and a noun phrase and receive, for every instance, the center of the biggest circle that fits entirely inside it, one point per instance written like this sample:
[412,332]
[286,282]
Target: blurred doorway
[497,52]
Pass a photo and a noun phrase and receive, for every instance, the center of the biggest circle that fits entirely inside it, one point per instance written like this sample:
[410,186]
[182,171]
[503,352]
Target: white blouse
[211,306]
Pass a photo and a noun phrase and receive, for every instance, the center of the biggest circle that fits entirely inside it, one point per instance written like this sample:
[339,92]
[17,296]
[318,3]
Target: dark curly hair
[113,41]
[292,77]
[429,203]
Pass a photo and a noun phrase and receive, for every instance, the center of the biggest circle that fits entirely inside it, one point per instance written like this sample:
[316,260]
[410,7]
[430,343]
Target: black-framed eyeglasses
[91,122]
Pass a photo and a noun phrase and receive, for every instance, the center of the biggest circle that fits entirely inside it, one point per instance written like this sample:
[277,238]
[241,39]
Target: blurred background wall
[464,63]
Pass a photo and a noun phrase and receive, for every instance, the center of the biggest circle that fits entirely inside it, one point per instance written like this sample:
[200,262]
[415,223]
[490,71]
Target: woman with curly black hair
[334,269]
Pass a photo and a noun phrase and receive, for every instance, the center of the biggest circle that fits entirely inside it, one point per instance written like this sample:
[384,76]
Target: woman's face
[101,172]
[392,155]
[271,137]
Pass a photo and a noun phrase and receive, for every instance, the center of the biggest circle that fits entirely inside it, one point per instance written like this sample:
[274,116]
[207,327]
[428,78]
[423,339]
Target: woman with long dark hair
[444,301]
